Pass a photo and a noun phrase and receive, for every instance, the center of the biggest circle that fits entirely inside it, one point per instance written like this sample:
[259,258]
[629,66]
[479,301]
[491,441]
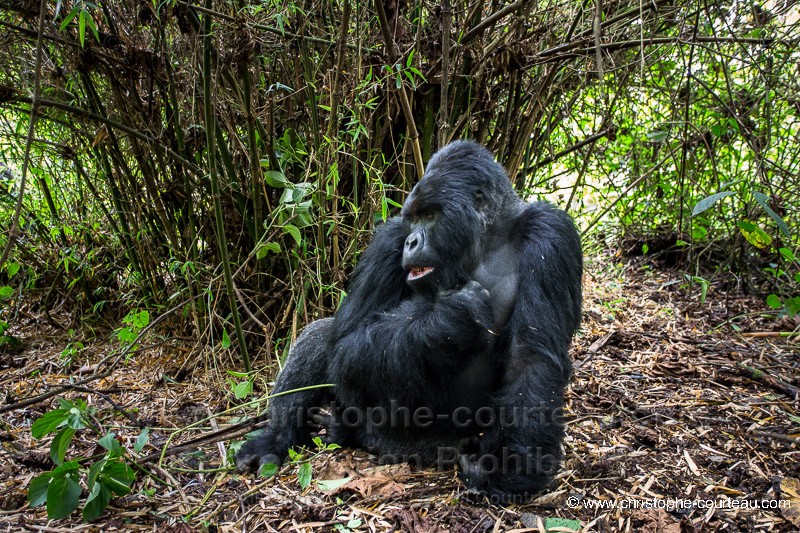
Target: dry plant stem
[444,85]
[222,242]
[413,134]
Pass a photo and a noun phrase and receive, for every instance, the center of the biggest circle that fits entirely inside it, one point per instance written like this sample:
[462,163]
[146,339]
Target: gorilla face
[448,215]
[443,240]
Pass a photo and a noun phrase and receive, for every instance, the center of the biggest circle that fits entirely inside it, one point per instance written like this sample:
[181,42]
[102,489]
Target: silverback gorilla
[451,347]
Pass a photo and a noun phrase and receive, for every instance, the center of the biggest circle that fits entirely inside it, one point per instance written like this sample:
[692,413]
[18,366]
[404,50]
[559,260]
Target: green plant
[134,322]
[72,349]
[60,488]
[241,389]
[304,473]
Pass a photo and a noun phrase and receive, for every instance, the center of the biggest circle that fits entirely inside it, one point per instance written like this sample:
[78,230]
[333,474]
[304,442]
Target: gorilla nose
[412,242]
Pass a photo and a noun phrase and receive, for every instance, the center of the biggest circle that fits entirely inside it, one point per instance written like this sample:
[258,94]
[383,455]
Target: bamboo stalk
[222,242]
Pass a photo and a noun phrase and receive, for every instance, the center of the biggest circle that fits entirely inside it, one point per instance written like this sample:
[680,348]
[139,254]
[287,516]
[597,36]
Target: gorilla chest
[498,273]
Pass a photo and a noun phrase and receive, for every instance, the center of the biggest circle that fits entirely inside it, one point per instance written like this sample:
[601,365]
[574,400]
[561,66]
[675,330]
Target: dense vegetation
[226,161]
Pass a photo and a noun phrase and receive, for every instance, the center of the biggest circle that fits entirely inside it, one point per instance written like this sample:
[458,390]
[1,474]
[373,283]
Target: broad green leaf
[657,135]
[755,236]
[763,201]
[94,472]
[273,247]
[304,475]
[708,201]
[37,491]
[6,292]
[62,495]
[774,302]
[792,306]
[12,269]
[117,476]
[112,445]
[62,440]
[294,455]
[96,503]
[787,254]
[294,232]
[268,470]
[243,389]
[277,180]
[49,422]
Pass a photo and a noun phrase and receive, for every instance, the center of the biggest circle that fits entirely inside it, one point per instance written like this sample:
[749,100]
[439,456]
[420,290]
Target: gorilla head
[451,214]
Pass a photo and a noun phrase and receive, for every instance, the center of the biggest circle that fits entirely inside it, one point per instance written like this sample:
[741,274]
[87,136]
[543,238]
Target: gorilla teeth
[418,272]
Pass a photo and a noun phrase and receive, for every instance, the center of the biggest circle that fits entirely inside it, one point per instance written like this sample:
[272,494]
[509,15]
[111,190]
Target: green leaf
[561,524]
[763,201]
[792,306]
[787,254]
[96,503]
[49,422]
[112,445]
[94,472]
[37,491]
[12,269]
[774,302]
[294,455]
[277,180]
[62,440]
[294,232]
[142,441]
[226,340]
[243,390]
[117,477]
[71,15]
[82,25]
[6,292]
[708,201]
[268,470]
[304,475]
[273,247]
[62,495]
[754,235]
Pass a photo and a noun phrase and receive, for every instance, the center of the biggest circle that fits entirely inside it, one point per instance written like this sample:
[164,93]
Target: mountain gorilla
[451,346]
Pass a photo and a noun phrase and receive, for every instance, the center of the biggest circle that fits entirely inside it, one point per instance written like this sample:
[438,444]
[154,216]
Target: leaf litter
[673,400]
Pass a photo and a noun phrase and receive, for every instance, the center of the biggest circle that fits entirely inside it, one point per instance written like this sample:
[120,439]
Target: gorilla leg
[290,415]
[522,452]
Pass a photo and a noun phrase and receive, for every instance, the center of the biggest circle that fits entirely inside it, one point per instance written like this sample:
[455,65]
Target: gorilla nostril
[411,242]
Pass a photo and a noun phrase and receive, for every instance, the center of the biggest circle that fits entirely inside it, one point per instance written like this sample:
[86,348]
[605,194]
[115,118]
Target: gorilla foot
[255,453]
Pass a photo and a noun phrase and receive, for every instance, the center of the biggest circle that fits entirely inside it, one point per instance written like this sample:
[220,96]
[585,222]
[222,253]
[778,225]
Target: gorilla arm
[411,352]
[390,344]
[537,369]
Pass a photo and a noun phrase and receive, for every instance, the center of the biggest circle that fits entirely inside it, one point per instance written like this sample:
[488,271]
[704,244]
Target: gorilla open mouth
[416,272]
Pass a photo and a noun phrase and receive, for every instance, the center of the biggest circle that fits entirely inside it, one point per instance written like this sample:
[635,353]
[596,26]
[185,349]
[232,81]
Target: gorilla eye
[425,215]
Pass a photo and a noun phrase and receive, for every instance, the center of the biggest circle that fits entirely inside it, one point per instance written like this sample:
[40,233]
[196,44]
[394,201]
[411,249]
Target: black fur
[464,362]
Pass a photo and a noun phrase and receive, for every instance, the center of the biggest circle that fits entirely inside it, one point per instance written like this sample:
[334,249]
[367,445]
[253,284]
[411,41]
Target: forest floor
[682,416]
